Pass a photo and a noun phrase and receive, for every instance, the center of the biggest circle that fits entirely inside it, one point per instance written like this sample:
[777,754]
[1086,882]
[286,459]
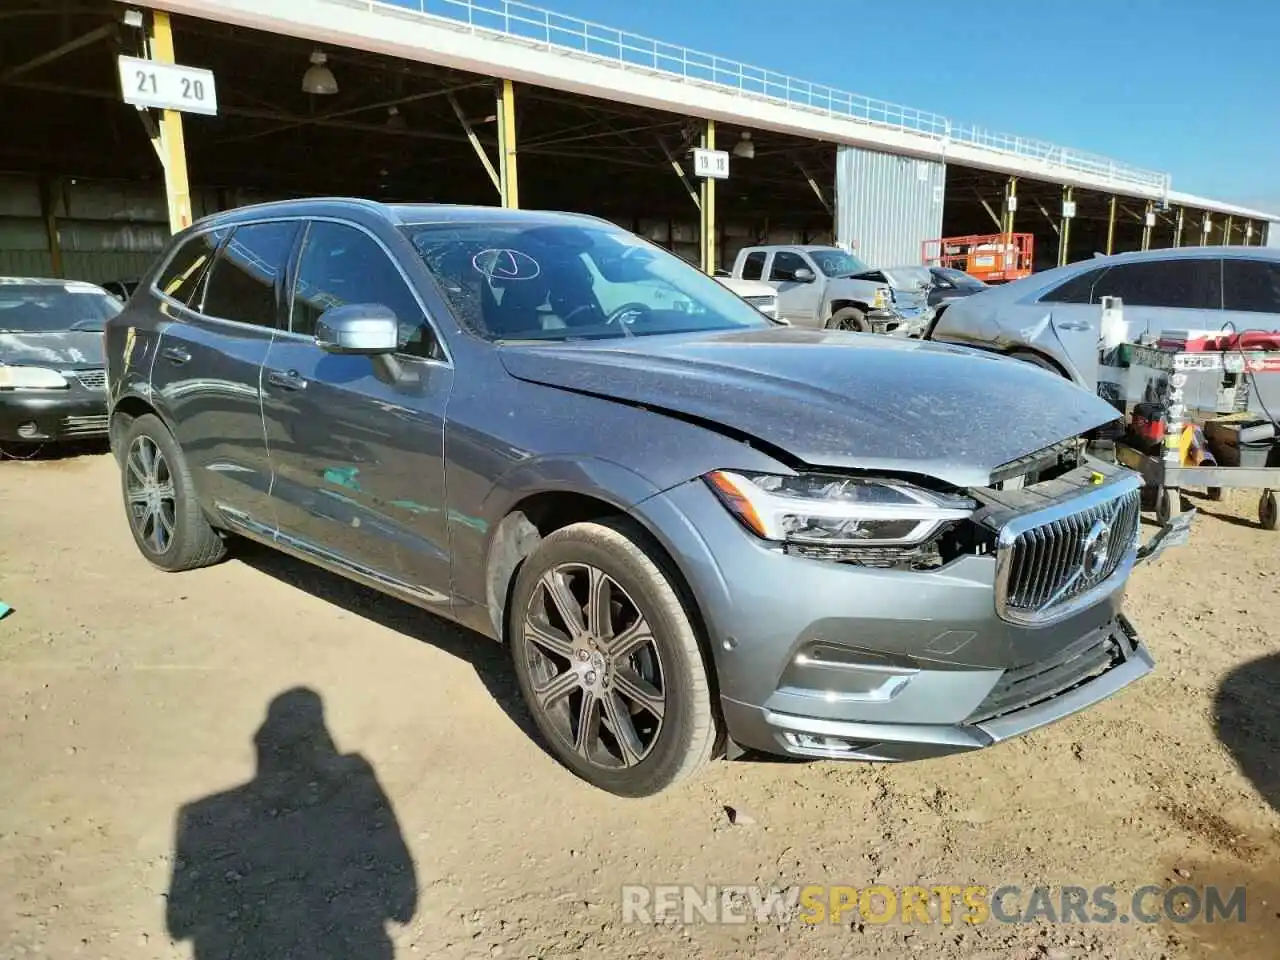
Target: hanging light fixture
[744,148]
[319,78]
[395,119]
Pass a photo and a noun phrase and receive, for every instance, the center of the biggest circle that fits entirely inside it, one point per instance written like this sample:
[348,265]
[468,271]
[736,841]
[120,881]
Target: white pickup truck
[821,286]
[757,293]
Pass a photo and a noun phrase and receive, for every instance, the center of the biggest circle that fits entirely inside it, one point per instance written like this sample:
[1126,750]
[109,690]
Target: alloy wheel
[596,672]
[150,493]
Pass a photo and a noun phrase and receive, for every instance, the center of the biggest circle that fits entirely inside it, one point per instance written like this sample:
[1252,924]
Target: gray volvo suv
[699,532]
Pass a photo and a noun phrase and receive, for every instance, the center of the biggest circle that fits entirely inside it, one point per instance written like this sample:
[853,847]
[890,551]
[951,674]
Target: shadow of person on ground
[490,660]
[306,860]
[1247,719]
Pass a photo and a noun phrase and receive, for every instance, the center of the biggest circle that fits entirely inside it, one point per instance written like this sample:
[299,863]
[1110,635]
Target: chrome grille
[1049,561]
[91,426]
[92,379]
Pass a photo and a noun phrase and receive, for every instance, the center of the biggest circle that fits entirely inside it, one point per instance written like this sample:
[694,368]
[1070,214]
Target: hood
[834,399]
[63,350]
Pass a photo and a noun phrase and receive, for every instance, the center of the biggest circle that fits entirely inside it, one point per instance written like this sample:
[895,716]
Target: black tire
[682,740]
[849,318]
[1214,493]
[191,542]
[1268,514]
[1027,356]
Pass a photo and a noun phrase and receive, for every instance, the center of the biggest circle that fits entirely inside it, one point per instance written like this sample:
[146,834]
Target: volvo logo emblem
[1096,550]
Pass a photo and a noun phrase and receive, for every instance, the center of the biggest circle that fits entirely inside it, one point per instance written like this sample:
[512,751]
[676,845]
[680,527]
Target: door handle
[175,355]
[286,379]
[1075,325]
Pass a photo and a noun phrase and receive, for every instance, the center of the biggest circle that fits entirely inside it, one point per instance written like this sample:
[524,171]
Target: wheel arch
[833,306]
[124,411]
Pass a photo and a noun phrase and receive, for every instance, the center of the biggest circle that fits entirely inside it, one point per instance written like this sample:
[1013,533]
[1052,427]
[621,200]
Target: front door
[798,301]
[209,361]
[358,462]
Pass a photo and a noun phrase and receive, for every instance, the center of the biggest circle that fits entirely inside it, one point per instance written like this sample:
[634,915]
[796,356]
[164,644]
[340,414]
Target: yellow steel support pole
[1064,236]
[1226,234]
[708,227]
[1177,233]
[507,168]
[1146,224]
[1111,226]
[173,150]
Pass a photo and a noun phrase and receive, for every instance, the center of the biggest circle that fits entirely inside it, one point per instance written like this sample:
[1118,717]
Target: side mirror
[367,329]
[802,275]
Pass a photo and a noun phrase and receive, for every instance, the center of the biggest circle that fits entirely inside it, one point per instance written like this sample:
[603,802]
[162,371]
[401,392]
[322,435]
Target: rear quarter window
[180,278]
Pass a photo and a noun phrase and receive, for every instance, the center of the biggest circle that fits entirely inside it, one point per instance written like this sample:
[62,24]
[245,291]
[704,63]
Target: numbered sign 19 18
[711,163]
[167,86]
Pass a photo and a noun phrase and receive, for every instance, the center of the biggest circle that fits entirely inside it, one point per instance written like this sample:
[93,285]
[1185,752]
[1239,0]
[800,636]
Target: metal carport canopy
[412,35]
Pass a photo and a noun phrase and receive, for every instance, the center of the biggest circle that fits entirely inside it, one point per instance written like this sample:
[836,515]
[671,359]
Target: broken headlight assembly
[870,522]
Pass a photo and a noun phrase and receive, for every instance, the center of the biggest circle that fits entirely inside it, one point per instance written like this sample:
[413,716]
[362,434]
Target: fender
[485,562]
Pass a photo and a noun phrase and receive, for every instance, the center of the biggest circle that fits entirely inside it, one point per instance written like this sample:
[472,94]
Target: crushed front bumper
[1021,699]
[822,659]
[900,323]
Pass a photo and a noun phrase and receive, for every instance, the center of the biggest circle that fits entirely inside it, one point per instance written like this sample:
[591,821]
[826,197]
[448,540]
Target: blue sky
[1186,86]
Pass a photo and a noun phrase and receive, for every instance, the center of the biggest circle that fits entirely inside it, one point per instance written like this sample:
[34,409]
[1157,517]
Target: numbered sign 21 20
[168,86]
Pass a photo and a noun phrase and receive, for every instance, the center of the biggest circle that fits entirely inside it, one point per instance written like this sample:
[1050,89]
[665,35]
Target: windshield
[54,308]
[512,281]
[837,263]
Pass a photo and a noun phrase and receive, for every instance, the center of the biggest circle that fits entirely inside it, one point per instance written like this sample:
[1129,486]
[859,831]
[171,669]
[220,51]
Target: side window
[1192,284]
[1251,285]
[785,265]
[340,265]
[753,266]
[181,276]
[242,284]
[1078,289]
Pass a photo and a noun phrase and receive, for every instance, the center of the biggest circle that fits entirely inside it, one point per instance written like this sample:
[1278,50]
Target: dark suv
[697,530]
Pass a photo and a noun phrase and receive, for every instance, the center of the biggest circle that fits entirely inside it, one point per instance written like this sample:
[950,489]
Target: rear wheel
[160,500]
[849,318]
[608,660]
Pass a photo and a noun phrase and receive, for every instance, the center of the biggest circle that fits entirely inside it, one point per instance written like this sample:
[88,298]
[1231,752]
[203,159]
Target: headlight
[883,298]
[833,511]
[31,378]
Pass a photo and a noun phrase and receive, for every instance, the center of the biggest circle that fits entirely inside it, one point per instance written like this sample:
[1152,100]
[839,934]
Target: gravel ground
[152,727]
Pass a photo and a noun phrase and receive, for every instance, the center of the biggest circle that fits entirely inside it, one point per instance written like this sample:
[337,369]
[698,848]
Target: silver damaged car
[698,532]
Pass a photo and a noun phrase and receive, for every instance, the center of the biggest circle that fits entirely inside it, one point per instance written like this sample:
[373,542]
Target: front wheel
[608,660]
[164,512]
[849,318]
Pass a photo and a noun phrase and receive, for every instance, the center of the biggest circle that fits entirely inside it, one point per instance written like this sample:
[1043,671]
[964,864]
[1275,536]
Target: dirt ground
[128,695]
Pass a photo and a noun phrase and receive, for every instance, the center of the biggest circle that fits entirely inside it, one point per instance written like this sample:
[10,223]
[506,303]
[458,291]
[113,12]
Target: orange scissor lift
[992,258]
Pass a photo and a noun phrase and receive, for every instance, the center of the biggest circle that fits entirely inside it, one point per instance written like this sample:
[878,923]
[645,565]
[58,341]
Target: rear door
[208,365]
[359,463]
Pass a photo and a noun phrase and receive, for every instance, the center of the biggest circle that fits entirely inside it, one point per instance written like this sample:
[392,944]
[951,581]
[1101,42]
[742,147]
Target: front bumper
[900,323]
[43,416]
[821,659]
